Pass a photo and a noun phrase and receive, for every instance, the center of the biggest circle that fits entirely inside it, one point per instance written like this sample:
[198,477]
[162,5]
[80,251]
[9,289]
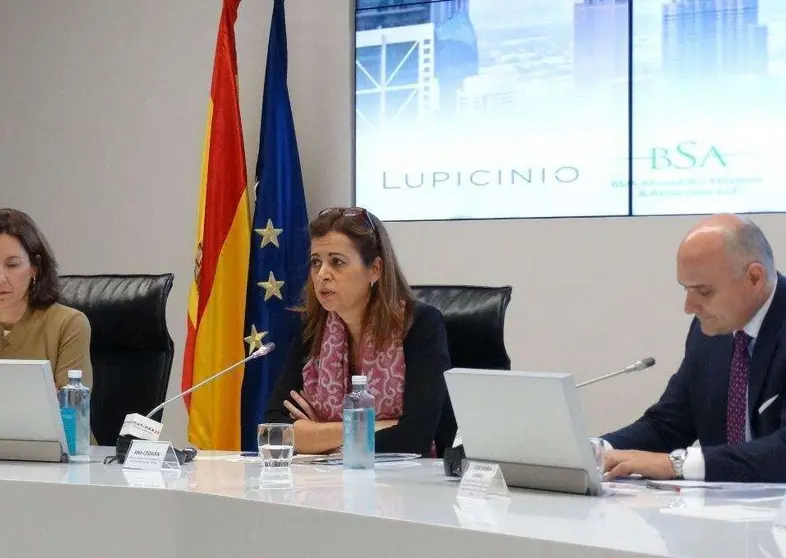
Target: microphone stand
[640,365]
[256,354]
[601,378]
[150,429]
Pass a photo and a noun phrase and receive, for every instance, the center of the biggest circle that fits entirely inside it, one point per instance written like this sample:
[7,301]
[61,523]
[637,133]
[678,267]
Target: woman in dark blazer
[360,318]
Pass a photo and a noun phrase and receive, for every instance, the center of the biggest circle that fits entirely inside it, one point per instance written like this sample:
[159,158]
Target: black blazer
[694,404]
[427,358]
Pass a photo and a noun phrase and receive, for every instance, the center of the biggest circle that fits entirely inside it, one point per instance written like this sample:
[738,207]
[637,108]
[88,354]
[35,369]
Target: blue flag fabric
[278,266]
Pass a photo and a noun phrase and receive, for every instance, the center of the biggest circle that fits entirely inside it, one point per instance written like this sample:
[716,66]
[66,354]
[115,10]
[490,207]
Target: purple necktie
[738,390]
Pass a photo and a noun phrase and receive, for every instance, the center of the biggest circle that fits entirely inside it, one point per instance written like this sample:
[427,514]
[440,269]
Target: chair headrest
[475,322]
[125,311]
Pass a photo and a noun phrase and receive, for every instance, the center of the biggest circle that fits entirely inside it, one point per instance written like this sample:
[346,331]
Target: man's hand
[622,463]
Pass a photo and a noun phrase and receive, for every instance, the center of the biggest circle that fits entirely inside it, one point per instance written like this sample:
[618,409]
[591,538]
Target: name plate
[481,480]
[144,455]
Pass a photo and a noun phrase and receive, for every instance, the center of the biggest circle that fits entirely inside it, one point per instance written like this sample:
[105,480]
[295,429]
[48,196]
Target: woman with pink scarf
[360,317]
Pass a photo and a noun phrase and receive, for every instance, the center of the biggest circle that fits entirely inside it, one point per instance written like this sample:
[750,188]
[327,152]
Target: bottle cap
[74,374]
[359,380]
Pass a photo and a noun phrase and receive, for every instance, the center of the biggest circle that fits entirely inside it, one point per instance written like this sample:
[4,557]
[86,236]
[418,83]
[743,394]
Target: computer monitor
[530,423]
[30,425]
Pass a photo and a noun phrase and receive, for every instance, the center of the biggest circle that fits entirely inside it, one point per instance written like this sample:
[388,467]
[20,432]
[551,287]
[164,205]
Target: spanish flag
[216,309]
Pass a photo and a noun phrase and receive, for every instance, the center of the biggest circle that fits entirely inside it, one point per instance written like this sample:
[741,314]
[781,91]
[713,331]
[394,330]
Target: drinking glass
[276,444]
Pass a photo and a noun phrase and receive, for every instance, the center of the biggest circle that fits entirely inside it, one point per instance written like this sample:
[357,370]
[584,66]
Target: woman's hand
[299,408]
[382,424]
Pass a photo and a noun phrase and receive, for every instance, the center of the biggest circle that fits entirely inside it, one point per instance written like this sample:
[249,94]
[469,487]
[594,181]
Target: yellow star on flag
[269,234]
[272,287]
[254,340]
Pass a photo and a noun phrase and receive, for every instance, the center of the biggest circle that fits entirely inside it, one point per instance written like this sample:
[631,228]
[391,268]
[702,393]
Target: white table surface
[223,505]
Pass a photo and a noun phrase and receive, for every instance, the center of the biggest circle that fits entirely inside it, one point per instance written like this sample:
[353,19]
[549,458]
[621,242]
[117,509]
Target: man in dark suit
[730,389]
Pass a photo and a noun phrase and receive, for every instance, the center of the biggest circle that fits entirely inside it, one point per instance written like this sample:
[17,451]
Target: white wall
[102,111]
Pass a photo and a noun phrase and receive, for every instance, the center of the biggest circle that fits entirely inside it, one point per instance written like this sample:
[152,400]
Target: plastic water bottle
[74,399]
[359,416]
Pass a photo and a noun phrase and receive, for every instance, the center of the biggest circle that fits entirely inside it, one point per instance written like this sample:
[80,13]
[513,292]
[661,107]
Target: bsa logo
[687,155]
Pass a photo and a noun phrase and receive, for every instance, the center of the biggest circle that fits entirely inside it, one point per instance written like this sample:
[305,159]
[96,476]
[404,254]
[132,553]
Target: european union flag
[279,245]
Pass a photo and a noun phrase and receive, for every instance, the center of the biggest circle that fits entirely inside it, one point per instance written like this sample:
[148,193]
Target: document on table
[677,485]
[335,459]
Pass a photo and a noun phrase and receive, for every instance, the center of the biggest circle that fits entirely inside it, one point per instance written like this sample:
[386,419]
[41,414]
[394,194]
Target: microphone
[642,364]
[138,427]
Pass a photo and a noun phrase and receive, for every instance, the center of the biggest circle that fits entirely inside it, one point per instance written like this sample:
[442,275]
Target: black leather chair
[130,349]
[475,322]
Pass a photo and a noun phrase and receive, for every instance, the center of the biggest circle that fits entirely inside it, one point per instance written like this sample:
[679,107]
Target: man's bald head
[737,238]
[726,265]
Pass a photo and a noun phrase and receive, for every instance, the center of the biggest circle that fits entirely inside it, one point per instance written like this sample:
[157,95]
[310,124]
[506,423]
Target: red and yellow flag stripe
[216,309]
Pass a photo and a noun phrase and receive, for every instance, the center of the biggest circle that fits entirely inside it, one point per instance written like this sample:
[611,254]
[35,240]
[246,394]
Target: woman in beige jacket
[33,325]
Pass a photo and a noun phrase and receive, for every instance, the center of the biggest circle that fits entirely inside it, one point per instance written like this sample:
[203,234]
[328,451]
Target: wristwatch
[678,457]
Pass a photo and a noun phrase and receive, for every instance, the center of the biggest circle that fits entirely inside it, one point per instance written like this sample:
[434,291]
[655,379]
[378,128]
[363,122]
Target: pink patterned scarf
[326,379]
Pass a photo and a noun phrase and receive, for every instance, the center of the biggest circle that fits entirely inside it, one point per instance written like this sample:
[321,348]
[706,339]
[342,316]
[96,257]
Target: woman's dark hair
[45,290]
[390,308]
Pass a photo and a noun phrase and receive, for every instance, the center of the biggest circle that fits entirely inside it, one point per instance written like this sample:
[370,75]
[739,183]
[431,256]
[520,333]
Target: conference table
[225,504]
